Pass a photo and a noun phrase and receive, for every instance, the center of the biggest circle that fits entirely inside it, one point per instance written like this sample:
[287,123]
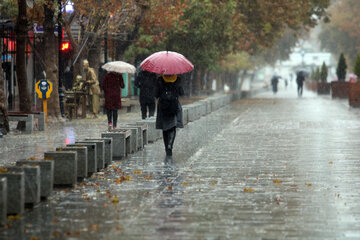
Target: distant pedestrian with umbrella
[168,90]
[112,83]
[146,82]
[300,78]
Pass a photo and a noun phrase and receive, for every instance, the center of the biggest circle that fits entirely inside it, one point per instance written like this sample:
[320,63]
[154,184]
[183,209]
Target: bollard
[142,137]
[100,149]
[108,150]
[3,198]
[134,137]
[46,174]
[65,167]
[153,133]
[91,155]
[82,159]
[121,142]
[15,201]
[31,181]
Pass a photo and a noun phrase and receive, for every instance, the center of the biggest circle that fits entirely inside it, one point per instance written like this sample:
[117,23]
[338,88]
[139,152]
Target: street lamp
[60,66]
[302,57]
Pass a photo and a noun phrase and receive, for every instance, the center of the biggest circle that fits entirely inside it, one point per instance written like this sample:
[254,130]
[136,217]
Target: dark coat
[163,121]
[146,81]
[112,84]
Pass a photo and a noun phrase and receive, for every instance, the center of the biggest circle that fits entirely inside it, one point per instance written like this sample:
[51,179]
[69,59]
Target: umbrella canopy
[167,63]
[119,67]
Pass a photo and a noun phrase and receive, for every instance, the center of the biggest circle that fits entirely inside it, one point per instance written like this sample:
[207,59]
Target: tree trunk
[4,124]
[197,82]
[51,57]
[21,33]
[94,56]
[123,44]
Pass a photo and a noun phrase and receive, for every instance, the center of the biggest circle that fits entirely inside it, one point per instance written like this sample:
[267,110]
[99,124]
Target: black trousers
[145,106]
[169,138]
[300,89]
[112,116]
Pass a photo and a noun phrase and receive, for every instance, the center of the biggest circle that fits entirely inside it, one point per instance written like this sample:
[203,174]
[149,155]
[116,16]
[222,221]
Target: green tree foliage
[324,73]
[8,9]
[342,34]
[341,68]
[357,66]
[317,74]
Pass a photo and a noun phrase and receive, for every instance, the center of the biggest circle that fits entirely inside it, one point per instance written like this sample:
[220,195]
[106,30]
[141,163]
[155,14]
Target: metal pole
[60,67]
[105,47]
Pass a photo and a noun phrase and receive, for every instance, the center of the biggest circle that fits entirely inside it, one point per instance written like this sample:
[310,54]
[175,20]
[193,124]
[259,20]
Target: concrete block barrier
[153,133]
[15,202]
[108,151]
[65,167]
[185,115]
[46,174]
[91,155]
[31,181]
[82,159]
[142,137]
[3,201]
[121,142]
[134,143]
[100,149]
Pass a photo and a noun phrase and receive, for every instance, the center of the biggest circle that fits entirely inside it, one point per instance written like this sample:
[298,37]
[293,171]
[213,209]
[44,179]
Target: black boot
[166,139]
[171,139]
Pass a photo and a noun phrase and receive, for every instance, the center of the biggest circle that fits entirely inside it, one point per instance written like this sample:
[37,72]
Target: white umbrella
[119,67]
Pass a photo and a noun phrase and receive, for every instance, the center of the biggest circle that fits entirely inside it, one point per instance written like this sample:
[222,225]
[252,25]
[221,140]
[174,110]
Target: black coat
[146,81]
[163,121]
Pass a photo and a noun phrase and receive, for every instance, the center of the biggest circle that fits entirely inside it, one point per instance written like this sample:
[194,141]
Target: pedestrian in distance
[274,83]
[300,78]
[146,82]
[112,84]
[169,110]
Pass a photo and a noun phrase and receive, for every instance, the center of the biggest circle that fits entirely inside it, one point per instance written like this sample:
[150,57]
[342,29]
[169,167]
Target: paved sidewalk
[269,167]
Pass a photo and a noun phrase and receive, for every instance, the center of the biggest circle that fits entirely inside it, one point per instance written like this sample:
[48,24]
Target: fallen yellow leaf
[115,199]
[119,228]
[94,227]
[309,184]
[248,190]
[3,170]
[137,172]
[277,181]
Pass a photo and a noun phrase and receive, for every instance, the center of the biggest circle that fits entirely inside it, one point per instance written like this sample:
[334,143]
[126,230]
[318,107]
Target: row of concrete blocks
[30,180]
[196,110]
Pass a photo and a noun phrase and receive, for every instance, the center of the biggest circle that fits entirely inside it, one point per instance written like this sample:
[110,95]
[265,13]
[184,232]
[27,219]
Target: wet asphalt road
[269,167]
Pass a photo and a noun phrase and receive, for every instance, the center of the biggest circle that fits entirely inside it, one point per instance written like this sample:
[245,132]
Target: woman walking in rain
[169,110]
[112,84]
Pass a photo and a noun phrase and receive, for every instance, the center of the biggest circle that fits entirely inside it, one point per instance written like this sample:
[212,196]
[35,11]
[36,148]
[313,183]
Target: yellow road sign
[43,88]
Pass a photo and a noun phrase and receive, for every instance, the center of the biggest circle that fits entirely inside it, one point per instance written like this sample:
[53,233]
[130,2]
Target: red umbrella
[167,63]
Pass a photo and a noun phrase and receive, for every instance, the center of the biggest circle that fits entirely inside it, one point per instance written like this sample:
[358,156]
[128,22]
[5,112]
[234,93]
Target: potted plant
[340,88]
[354,90]
[312,85]
[323,87]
